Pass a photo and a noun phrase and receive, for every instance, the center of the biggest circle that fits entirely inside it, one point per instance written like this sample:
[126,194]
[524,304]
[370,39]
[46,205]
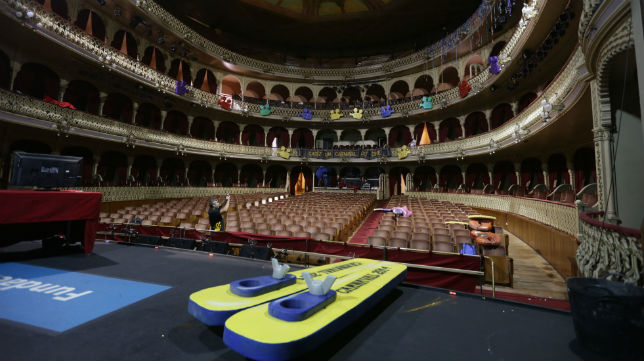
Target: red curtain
[475,123]
[395,132]
[500,115]
[445,126]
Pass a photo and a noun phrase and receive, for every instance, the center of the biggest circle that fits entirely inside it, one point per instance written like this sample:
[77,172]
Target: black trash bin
[608,316]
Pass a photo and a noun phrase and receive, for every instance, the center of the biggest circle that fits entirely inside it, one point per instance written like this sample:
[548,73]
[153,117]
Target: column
[64,83]
[185,176]
[238,176]
[97,160]
[571,172]
[215,124]
[363,132]
[637,23]
[461,120]
[15,68]
[338,132]
[517,172]
[103,98]
[191,118]
[135,109]
[164,113]
[490,173]
[266,129]
[546,176]
[158,181]
[411,131]
[264,176]
[488,115]
[387,131]
[315,134]
[288,179]
[463,174]
[290,136]
[437,126]
[128,171]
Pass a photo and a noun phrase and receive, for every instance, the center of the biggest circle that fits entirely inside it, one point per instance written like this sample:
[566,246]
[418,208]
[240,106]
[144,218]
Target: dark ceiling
[288,30]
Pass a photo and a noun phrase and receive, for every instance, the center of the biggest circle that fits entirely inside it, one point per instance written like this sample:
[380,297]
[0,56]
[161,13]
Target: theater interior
[468,178]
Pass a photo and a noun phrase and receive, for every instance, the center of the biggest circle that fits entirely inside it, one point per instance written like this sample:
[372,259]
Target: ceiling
[313,32]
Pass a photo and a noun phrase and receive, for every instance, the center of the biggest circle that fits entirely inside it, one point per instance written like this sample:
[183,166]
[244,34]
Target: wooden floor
[533,275]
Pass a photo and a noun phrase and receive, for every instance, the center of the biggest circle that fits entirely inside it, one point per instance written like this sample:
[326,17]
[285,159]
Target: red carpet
[369,225]
[533,300]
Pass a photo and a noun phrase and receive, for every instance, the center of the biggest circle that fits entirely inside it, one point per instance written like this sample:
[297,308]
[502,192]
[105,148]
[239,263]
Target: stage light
[452,293]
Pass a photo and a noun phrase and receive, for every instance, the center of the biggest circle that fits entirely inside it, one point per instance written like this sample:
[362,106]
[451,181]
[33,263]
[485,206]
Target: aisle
[369,225]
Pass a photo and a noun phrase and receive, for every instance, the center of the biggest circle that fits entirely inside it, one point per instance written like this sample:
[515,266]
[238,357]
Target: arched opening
[173,172]
[228,132]
[37,80]
[525,101]
[125,43]
[531,174]
[91,24]
[282,137]
[450,178]
[500,114]
[475,123]
[118,107]
[206,81]
[351,97]
[447,79]
[375,95]
[350,176]
[86,166]
[302,138]
[302,95]
[584,164]
[112,168]
[449,129]
[255,90]
[253,135]
[294,179]
[279,94]
[327,95]
[473,67]
[230,85]
[57,6]
[202,128]
[276,176]
[154,58]
[144,170]
[431,131]
[424,178]
[377,135]
[399,136]
[351,135]
[226,174]
[397,180]
[476,178]
[176,122]
[180,70]
[325,138]
[503,177]
[83,95]
[399,91]
[251,176]
[424,85]
[496,49]
[148,116]
[557,171]
[199,173]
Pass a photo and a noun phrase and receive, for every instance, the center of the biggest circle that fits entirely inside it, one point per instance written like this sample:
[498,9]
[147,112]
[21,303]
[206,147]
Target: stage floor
[412,323]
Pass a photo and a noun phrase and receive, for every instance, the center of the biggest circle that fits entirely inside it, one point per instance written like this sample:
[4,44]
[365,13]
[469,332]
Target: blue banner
[344,153]
[59,300]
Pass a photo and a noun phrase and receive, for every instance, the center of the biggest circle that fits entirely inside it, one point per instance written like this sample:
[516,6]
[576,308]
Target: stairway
[370,223]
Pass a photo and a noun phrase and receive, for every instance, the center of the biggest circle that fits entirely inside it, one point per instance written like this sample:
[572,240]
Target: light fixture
[547,107]
[519,133]
[130,141]
[493,146]
[181,150]
[460,154]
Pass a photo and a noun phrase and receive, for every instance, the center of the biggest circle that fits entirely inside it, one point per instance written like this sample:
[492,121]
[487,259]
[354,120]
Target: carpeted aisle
[369,225]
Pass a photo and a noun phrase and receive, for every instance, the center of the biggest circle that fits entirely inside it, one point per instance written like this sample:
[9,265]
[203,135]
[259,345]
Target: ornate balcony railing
[606,249]
[89,46]
[113,194]
[50,116]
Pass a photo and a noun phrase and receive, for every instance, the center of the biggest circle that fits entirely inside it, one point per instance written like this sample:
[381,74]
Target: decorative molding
[557,215]
[606,249]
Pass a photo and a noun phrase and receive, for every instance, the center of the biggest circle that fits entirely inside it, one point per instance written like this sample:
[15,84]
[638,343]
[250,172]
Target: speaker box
[186,243]
[215,247]
[144,239]
[256,252]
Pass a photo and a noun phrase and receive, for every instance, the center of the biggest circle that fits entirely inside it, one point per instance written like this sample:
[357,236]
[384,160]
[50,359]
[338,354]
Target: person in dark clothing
[215,214]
